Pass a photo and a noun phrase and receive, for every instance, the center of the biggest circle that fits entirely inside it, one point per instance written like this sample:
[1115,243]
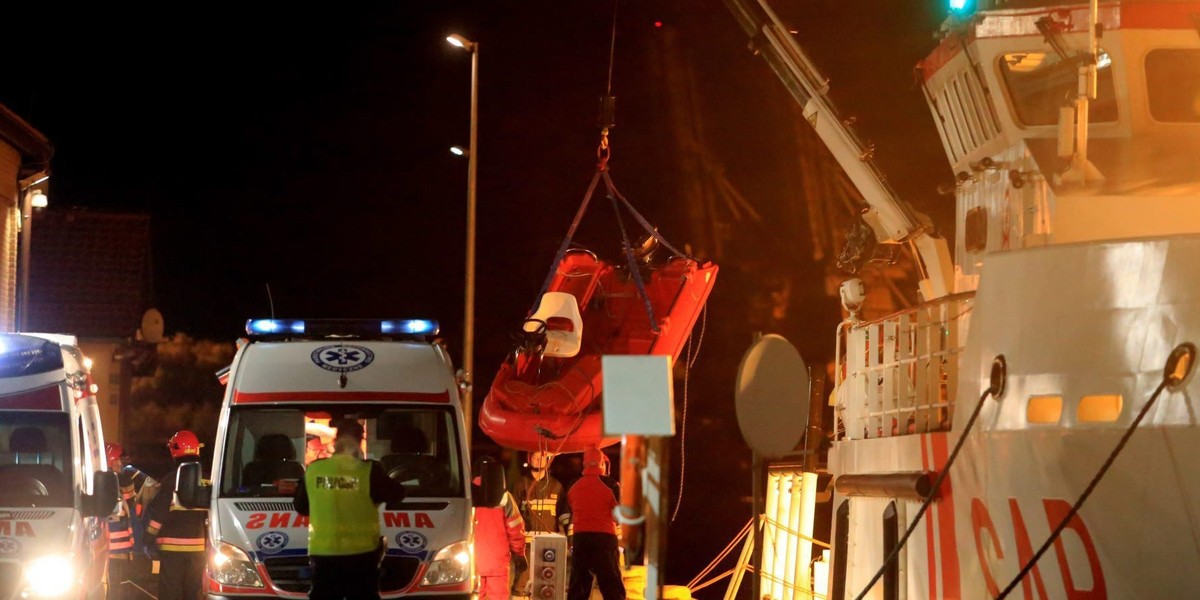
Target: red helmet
[114,452]
[184,443]
[594,462]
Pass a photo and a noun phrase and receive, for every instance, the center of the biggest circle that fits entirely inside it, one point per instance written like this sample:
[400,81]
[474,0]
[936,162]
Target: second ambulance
[288,387]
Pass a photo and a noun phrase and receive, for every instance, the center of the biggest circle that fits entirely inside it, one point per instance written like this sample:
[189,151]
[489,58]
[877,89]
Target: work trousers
[179,575]
[119,567]
[353,577]
[595,555]
[493,587]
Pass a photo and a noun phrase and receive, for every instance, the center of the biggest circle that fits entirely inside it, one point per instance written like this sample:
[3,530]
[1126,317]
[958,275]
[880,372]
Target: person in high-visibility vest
[175,534]
[539,495]
[340,496]
[594,552]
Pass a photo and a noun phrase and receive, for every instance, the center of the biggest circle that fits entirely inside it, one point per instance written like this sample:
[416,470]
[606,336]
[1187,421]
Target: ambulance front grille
[293,574]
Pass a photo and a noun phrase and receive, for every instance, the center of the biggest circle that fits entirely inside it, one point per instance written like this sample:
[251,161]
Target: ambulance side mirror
[105,495]
[189,489]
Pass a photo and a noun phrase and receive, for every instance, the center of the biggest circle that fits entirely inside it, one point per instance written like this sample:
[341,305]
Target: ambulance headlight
[450,565]
[229,565]
[49,576]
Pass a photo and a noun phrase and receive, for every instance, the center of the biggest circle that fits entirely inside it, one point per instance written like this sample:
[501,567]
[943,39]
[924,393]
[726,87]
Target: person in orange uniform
[175,533]
[499,536]
[594,554]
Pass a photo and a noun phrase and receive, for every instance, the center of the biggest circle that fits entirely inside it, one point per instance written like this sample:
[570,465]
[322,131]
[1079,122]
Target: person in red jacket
[499,535]
[594,554]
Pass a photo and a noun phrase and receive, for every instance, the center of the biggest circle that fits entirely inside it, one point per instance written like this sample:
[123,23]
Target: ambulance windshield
[35,464]
[267,449]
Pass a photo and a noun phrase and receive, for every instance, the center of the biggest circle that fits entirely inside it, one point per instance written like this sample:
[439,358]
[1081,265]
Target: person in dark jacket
[174,533]
[340,496]
[594,554]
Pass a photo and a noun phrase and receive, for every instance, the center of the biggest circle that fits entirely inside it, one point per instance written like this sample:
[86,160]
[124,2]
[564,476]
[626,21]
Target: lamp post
[468,361]
[32,196]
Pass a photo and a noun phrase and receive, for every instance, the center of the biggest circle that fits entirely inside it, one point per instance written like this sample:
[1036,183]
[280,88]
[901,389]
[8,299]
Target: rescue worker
[174,533]
[121,545]
[340,496]
[594,554]
[499,534]
[538,495]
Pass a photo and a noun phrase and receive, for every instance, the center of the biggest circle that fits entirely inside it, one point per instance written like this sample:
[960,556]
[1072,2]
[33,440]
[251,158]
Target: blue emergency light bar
[321,327]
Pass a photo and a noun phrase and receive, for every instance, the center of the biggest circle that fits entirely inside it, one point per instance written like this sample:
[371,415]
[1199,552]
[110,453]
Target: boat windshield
[35,468]
[1173,84]
[1040,83]
[267,449]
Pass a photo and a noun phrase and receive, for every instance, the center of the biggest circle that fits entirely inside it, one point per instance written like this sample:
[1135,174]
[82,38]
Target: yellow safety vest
[342,518]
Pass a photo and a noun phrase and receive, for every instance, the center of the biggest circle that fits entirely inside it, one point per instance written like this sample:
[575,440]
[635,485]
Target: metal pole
[469,301]
[26,239]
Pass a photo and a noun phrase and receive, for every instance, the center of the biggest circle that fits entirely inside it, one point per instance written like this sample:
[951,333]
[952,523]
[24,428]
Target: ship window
[1099,409]
[840,554]
[891,577]
[1041,82]
[976,230]
[1173,85]
[1044,409]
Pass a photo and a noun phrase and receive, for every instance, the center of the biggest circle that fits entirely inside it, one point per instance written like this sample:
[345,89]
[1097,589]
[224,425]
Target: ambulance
[290,384]
[56,492]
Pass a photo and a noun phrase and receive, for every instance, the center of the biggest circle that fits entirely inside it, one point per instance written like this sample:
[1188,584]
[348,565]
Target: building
[24,168]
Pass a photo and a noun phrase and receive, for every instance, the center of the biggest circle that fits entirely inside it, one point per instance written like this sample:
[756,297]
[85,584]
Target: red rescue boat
[547,394]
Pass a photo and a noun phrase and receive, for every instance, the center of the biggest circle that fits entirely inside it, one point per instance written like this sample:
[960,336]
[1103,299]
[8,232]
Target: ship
[1028,429]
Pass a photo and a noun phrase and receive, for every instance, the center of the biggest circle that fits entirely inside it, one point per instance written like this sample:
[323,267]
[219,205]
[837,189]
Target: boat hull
[555,404]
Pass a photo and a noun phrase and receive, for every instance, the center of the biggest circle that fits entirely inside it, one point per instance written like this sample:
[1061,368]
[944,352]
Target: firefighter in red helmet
[176,533]
[594,553]
[120,526]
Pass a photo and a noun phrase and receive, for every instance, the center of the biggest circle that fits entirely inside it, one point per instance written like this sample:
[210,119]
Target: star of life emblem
[271,542]
[342,358]
[410,541]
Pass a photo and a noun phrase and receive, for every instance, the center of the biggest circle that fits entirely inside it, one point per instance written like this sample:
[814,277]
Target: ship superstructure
[1074,133]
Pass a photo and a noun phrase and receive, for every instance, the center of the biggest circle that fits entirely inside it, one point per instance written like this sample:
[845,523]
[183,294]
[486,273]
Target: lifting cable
[995,389]
[603,153]
[1174,372]
[687,369]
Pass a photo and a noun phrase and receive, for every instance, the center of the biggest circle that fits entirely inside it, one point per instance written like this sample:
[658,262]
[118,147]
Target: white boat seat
[555,310]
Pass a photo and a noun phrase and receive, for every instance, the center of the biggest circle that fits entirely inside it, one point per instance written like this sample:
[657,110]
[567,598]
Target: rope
[933,494]
[612,49]
[612,189]
[633,266]
[722,554]
[1087,492]
[562,248]
[691,360]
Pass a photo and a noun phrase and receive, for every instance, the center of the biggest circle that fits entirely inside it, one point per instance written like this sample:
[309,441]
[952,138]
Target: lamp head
[461,42]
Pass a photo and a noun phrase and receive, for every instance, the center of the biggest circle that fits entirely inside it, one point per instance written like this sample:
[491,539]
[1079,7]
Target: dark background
[305,148]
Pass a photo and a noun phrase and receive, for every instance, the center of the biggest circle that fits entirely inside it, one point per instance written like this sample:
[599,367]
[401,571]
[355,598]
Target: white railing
[898,375]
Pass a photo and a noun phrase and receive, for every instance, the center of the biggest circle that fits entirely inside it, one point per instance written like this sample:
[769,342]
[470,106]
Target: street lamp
[468,362]
[33,195]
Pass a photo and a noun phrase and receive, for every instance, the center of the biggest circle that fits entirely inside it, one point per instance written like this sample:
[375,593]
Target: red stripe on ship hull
[930,551]
[945,515]
[264,397]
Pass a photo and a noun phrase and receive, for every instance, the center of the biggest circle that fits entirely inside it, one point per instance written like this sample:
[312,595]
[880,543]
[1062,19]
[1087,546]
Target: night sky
[305,148]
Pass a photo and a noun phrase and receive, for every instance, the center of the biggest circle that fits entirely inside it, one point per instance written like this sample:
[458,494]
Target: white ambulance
[55,490]
[288,387]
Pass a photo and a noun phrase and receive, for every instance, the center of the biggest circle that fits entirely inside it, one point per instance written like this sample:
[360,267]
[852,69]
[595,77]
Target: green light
[958,5]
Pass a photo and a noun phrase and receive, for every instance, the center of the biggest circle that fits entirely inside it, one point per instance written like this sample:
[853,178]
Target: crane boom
[890,218]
